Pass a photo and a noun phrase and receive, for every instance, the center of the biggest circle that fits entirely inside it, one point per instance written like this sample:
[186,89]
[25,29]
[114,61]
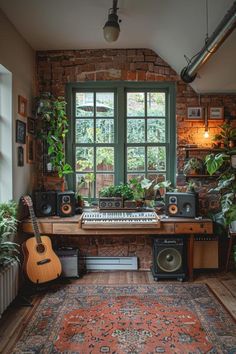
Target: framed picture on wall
[216,113]
[20,131]
[30,149]
[195,113]
[20,156]
[30,125]
[22,106]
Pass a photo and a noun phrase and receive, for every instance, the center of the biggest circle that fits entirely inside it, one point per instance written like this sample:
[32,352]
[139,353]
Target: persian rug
[143,319]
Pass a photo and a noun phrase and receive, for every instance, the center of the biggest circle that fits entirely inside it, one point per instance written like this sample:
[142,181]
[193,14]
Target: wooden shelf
[201,176]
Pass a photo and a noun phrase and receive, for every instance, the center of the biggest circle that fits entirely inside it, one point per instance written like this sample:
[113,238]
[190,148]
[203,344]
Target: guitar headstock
[27,200]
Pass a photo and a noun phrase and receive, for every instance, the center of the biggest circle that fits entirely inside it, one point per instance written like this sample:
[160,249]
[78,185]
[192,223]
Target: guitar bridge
[44,261]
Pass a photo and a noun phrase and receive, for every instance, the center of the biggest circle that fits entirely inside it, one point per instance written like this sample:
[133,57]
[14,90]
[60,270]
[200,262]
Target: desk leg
[190,256]
[229,252]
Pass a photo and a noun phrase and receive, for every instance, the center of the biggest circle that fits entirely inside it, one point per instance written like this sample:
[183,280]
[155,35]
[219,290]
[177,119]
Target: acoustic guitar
[41,264]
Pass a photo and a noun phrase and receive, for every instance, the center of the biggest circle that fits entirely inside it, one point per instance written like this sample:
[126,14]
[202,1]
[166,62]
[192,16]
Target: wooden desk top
[56,225]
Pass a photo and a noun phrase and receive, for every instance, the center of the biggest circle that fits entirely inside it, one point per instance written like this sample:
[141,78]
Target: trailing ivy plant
[8,225]
[52,112]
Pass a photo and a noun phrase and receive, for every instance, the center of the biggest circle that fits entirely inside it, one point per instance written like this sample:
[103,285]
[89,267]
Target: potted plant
[193,166]
[226,137]
[8,225]
[53,131]
[226,186]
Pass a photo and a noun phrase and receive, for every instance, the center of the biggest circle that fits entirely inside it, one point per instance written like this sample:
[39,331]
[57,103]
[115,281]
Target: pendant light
[111,30]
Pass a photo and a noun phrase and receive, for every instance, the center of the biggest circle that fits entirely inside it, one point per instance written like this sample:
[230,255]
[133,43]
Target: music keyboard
[117,219]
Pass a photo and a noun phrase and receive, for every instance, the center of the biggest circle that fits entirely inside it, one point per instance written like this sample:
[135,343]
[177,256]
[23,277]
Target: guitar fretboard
[35,224]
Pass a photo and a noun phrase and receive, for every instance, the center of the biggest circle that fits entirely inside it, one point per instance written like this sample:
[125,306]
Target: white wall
[19,59]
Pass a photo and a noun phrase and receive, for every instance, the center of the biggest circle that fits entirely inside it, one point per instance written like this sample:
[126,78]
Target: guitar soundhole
[40,248]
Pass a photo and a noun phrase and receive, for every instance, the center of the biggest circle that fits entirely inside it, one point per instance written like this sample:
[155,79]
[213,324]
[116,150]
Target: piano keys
[119,219]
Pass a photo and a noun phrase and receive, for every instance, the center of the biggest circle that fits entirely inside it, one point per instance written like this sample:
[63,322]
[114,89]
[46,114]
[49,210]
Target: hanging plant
[54,129]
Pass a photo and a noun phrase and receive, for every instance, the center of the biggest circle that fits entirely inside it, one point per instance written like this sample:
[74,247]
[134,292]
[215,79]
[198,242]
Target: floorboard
[13,320]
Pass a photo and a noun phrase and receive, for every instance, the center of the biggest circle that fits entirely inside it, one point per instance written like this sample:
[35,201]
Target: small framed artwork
[20,131]
[30,125]
[22,106]
[195,113]
[216,113]
[30,149]
[20,156]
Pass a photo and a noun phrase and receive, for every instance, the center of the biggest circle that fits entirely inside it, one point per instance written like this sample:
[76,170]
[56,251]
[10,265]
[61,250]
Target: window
[119,131]
[6,166]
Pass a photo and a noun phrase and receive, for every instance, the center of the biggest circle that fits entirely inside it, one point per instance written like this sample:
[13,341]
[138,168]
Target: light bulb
[206,134]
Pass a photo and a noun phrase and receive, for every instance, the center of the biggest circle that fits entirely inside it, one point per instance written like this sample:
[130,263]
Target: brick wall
[56,68]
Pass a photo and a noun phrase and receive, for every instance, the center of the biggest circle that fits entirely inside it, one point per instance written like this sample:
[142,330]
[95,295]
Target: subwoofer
[181,204]
[44,203]
[65,203]
[169,260]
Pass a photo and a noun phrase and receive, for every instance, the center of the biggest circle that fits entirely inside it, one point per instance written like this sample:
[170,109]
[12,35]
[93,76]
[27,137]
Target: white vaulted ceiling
[172,28]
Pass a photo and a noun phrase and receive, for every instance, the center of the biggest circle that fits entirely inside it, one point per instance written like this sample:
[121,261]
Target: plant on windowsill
[53,131]
[9,250]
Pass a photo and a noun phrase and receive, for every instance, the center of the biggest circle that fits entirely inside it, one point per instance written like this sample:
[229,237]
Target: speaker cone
[169,260]
[46,209]
[173,209]
[66,209]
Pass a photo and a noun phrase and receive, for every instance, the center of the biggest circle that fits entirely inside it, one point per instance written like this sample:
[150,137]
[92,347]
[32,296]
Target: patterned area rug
[142,319]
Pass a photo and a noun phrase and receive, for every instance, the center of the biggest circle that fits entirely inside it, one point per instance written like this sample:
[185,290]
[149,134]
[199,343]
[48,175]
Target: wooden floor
[15,317]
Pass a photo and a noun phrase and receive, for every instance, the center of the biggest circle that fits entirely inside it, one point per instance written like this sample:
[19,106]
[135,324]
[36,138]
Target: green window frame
[125,117]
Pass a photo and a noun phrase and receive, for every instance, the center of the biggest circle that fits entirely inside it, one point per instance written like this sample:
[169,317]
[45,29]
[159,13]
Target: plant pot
[233,226]
[54,183]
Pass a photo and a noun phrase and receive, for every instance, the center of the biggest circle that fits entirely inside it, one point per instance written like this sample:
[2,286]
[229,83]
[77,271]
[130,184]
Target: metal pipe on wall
[222,31]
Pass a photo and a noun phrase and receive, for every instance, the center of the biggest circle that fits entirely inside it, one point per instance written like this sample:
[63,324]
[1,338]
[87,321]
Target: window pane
[135,175]
[156,130]
[105,130]
[84,159]
[135,158]
[105,159]
[84,105]
[135,104]
[84,187]
[135,131]
[105,104]
[103,180]
[156,158]
[157,177]
[156,104]
[84,131]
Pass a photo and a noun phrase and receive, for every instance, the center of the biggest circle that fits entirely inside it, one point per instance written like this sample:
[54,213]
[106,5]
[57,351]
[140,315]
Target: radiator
[9,284]
[111,263]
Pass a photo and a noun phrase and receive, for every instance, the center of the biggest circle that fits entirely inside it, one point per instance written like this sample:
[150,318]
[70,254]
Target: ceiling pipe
[223,30]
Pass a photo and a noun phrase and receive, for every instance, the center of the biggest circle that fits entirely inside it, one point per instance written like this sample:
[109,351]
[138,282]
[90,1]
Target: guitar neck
[35,224]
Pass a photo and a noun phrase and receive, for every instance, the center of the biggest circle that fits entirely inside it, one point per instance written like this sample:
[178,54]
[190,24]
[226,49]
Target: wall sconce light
[111,30]
[206,133]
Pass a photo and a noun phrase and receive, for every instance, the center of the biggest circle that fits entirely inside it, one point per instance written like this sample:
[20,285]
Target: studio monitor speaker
[169,259]
[65,203]
[44,203]
[181,204]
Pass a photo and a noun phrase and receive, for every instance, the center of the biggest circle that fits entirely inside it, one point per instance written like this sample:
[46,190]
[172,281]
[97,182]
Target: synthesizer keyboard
[119,219]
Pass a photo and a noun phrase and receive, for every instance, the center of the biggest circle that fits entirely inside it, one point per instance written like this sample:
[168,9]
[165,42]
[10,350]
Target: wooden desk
[169,226]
